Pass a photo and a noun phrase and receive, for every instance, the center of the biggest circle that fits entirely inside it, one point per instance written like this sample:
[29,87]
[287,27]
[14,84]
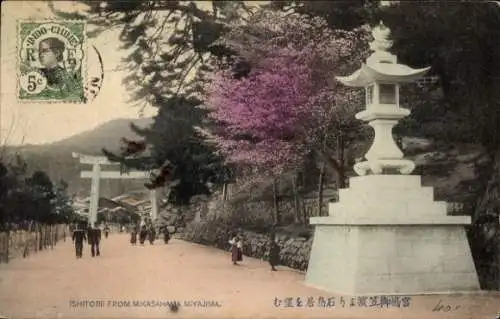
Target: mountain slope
[91,142]
[56,158]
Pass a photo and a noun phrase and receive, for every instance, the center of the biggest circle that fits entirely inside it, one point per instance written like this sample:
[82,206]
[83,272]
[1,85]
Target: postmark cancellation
[52,58]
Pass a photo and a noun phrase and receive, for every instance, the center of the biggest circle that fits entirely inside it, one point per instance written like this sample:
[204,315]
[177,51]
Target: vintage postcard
[250,159]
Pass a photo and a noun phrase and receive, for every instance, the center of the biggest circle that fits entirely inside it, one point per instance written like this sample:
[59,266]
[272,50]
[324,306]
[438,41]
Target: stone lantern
[386,234]
[382,77]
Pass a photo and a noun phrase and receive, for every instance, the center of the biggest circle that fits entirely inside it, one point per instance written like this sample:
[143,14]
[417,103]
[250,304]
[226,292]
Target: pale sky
[39,123]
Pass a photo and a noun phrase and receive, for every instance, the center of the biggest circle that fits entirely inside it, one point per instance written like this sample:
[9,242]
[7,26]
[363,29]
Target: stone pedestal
[387,235]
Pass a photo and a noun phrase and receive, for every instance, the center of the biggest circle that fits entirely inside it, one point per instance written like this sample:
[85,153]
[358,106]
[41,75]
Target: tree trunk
[341,182]
[40,244]
[36,240]
[277,217]
[7,246]
[332,165]
[224,192]
[305,216]
[52,237]
[321,183]
[321,176]
[296,203]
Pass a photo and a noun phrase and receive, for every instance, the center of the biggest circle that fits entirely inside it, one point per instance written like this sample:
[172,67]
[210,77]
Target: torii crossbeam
[97,174]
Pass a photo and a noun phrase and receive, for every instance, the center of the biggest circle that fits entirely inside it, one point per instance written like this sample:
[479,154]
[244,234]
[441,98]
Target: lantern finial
[381,35]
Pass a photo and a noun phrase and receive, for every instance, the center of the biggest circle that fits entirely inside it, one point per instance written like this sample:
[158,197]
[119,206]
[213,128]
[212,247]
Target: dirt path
[125,278]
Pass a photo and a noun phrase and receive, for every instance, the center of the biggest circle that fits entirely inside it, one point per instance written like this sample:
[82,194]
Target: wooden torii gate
[97,174]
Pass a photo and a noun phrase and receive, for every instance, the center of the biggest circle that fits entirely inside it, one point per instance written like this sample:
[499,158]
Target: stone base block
[390,238]
[391,260]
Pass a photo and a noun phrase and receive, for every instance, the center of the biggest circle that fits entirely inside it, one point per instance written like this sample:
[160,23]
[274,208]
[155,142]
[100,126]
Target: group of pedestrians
[146,231]
[236,243]
[92,234]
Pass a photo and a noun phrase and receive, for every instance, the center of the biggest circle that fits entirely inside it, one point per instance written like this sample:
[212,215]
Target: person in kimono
[78,238]
[274,253]
[236,250]
[133,234]
[143,234]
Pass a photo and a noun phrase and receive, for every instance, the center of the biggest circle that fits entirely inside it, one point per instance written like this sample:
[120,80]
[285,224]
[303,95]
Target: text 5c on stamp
[52,58]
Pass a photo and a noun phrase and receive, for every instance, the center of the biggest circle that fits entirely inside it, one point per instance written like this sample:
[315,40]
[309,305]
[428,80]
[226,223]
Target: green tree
[14,197]
[172,140]
[63,209]
[340,14]
[7,183]
[31,197]
[41,191]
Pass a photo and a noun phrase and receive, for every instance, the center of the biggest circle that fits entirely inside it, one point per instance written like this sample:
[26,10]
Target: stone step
[394,209]
[370,182]
[382,220]
[422,194]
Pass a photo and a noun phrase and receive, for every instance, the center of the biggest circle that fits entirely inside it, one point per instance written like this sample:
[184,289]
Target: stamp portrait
[52,58]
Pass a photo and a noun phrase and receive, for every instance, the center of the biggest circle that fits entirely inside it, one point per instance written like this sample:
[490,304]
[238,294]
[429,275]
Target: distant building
[138,202]
[132,202]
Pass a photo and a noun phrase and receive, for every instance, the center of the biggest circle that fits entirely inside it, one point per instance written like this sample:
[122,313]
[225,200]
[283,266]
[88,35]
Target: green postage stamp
[52,57]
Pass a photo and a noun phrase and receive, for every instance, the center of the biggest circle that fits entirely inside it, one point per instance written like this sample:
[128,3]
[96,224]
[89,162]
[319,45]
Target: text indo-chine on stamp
[52,59]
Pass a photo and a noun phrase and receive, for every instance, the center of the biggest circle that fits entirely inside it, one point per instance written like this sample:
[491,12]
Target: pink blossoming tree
[289,104]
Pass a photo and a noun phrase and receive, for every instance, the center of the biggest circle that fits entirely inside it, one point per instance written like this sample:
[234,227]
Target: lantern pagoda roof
[382,66]
[382,72]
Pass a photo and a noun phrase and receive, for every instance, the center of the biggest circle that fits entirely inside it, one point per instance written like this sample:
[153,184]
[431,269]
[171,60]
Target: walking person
[133,234]
[151,234]
[166,235]
[274,253]
[143,234]
[94,236]
[236,253]
[78,238]
[106,231]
